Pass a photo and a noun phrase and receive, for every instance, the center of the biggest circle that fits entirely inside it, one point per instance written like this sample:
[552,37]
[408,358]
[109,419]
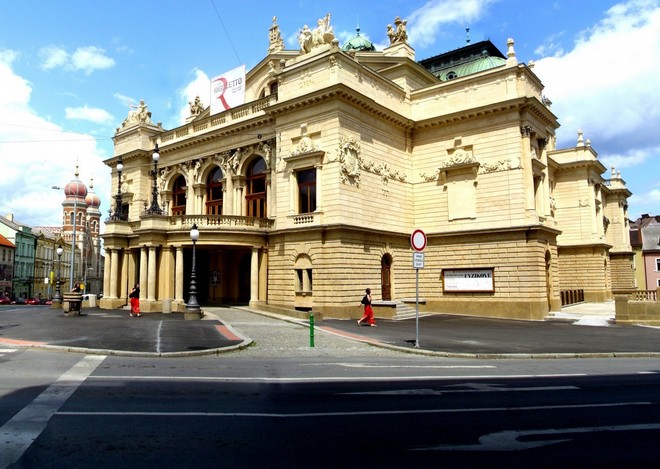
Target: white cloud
[606,81]
[42,154]
[90,58]
[91,114]
[425,23]
[86,59]
[199,86]
[53,57]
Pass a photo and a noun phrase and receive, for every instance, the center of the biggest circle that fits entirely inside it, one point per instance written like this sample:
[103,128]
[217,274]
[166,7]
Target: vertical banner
[228,90]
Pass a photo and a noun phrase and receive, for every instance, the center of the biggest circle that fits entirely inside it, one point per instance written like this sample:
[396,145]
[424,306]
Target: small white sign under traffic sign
[418,260]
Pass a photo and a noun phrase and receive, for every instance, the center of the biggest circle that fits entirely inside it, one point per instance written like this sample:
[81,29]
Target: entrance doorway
[222,275]
[386,277]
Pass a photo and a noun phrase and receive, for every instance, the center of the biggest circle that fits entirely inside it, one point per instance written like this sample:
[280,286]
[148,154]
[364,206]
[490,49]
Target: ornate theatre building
[308,192]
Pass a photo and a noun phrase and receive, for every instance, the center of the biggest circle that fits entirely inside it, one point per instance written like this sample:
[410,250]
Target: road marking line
[160,326]
[259,379]
[23,428]
[507,440]
[367,365]
[439,392]
[8,350]
[344,414]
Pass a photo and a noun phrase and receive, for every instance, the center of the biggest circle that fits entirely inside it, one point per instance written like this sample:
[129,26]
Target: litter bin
[167,306]
[72,303]
[91,300]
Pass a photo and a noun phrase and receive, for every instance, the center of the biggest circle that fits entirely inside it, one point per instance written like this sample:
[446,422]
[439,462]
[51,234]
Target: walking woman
[135,300]
[368,312]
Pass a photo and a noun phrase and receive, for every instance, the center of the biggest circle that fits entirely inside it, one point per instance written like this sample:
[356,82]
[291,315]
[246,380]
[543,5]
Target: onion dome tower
[93,213]
[74,205]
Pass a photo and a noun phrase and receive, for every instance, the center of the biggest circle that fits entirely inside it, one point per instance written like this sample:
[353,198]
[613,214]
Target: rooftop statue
[196,106]
[139,114]
[321,35]
[398,33]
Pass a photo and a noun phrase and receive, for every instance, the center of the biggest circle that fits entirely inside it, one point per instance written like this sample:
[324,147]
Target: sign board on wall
[468,280]
[228,90]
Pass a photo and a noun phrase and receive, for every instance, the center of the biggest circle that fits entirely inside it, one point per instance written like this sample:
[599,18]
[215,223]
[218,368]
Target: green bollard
[311,329]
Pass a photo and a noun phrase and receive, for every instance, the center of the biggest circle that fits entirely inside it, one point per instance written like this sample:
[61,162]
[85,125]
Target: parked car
[33,301]
[18,301]
[5,301]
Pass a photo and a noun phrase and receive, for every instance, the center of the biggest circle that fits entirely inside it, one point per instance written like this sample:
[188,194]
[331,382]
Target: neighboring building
[308,193]
[6,266]
[645,238]
[21,236]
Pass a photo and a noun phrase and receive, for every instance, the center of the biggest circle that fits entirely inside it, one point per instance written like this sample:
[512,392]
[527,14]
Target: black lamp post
[193,310]
[118,212]
[154,209]
[57,297]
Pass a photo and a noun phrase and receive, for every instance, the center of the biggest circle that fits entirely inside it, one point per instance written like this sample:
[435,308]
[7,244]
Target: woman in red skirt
[368,312]
[135,300]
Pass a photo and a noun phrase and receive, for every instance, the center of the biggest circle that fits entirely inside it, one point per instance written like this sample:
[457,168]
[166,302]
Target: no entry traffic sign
[418,240]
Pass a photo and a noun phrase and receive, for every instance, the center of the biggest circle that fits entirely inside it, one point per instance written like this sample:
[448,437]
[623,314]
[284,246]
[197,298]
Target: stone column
[254,275]
[108,274]
[114,272]
[528,175]
[143,270]
[178,279]
[151,290]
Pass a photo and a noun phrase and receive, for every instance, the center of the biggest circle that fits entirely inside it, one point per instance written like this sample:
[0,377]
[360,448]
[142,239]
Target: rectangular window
[657,264]
[306,190]
[304,280]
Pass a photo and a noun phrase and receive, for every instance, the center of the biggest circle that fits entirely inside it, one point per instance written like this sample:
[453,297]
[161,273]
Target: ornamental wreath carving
[349,159]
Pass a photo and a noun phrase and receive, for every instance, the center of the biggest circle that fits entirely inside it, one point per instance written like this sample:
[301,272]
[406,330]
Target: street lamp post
[73,235]
[154,209]
[118,215]
[57,297]
[193,310]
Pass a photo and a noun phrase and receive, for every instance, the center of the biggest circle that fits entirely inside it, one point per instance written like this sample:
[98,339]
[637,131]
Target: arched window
[179,196]
[214,192]
[256,189]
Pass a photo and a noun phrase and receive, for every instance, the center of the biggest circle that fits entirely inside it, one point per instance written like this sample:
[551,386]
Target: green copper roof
[479,65]
[358,43]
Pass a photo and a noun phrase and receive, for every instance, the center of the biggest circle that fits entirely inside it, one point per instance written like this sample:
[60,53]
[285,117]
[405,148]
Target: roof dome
[485,62]
[359,43]
[92,200]
[75,188]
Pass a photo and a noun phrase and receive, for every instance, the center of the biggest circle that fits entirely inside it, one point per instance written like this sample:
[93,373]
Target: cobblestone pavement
[279,336]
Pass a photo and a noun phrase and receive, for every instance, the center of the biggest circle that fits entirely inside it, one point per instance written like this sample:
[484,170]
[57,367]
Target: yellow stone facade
[391,148]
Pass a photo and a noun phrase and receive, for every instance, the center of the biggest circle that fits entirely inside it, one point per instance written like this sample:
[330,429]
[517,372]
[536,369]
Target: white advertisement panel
[228,90]
[468,280]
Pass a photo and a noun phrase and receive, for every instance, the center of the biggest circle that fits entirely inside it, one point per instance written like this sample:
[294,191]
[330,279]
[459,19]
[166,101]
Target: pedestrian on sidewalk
[368,311]
[135,300]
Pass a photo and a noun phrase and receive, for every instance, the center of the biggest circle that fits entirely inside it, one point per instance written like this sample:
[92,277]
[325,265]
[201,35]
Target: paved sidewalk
[579,331]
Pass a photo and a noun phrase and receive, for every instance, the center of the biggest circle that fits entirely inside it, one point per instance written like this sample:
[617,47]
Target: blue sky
[69,70]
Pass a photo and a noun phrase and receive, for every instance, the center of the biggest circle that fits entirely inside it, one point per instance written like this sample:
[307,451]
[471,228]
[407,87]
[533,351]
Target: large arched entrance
[222,274]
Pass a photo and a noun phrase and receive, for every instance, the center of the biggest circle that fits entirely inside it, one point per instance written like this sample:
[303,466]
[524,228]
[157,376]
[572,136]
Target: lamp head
[59,250]
[155,156]
[194,233]
[120,165]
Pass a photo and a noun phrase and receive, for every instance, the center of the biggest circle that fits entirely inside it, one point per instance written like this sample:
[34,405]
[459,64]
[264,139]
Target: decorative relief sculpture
[321,35]
[164,176]
[305,145]
[349,157]
[276,43]
[139,114]
[398,33]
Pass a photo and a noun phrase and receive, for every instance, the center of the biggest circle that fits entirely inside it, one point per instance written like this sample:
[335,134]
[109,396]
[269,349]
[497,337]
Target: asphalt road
[228,411]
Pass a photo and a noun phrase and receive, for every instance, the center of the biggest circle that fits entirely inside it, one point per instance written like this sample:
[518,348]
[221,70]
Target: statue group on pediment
[321,35]
[398,33]
[139,114]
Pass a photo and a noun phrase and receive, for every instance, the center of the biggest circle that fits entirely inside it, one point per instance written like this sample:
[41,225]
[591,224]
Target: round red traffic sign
[418,240]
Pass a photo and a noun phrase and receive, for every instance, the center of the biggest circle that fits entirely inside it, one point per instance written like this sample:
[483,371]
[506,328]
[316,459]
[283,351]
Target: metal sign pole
[417,308]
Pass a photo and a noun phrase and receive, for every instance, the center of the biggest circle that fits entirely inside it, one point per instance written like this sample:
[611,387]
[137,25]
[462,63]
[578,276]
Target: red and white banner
[228,90]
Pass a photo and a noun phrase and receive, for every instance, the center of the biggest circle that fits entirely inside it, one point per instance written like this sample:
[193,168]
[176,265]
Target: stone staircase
[404,311]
